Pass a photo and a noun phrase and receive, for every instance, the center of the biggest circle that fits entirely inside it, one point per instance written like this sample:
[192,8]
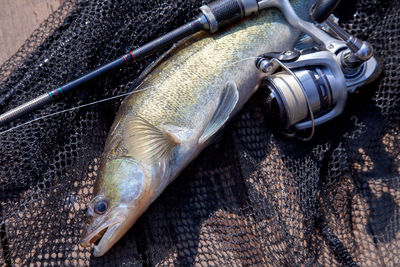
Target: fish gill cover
[251,198]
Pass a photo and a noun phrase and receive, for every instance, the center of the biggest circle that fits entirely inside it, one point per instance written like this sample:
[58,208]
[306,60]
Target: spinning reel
[309,86]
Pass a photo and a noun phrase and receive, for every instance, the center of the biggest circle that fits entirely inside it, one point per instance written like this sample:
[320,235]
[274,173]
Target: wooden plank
[18,19]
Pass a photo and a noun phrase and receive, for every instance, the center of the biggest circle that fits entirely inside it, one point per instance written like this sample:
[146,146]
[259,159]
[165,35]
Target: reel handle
[323,9]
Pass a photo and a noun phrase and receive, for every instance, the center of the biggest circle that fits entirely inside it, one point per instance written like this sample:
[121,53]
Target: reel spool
[287,100]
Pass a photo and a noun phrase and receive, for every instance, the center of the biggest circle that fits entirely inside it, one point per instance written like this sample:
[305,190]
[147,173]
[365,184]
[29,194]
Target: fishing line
[72,109]
[236,62]
[97,102]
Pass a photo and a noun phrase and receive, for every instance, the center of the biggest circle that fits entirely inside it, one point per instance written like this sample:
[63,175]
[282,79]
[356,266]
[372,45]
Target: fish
[182,101]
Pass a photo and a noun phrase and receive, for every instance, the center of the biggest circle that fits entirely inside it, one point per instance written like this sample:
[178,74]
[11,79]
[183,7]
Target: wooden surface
[18,19]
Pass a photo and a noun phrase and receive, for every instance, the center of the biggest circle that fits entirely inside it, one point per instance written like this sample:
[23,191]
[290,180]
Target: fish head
[119,193]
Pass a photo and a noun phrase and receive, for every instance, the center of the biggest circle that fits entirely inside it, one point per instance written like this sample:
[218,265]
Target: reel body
[309,87]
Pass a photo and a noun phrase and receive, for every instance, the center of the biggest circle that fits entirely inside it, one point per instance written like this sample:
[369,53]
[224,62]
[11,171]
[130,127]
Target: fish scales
[178,93]
[183,101]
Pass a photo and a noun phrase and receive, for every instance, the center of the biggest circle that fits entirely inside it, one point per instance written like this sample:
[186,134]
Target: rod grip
[221,13]
[323,9]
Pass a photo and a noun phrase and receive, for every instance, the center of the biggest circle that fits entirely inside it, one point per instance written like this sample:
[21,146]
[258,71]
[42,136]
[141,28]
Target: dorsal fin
[227,103]
[146,142]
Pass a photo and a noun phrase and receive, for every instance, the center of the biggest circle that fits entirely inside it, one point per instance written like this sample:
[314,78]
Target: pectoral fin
[227,103]
[147,142]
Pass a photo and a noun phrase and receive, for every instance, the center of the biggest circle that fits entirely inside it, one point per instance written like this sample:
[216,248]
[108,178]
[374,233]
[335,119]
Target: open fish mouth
[102,235]
[94,237]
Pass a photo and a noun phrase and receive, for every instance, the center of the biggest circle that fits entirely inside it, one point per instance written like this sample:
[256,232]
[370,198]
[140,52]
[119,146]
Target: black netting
[251,198]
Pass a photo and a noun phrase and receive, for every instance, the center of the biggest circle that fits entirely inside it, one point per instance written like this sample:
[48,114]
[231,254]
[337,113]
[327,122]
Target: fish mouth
[104,234]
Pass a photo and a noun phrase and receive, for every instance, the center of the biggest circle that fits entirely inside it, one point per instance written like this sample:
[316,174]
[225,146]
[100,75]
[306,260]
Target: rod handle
[321,10]
[221,13]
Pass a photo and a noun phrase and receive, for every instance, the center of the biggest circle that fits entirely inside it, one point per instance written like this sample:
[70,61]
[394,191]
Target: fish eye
[101,206]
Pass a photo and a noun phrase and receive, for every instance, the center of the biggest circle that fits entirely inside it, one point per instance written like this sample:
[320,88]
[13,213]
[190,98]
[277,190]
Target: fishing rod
[213,16]
[305,86]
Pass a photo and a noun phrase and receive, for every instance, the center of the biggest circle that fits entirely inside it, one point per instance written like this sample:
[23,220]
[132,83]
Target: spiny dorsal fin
[227,103]
[147,142]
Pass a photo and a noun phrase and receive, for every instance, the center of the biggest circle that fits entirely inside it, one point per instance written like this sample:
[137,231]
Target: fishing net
[251,198]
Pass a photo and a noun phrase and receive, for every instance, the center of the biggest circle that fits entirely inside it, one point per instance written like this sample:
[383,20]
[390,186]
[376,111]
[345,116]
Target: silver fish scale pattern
[251,198]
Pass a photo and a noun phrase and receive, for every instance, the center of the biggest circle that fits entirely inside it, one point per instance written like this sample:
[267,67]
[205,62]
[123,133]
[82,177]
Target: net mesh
[251,198]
